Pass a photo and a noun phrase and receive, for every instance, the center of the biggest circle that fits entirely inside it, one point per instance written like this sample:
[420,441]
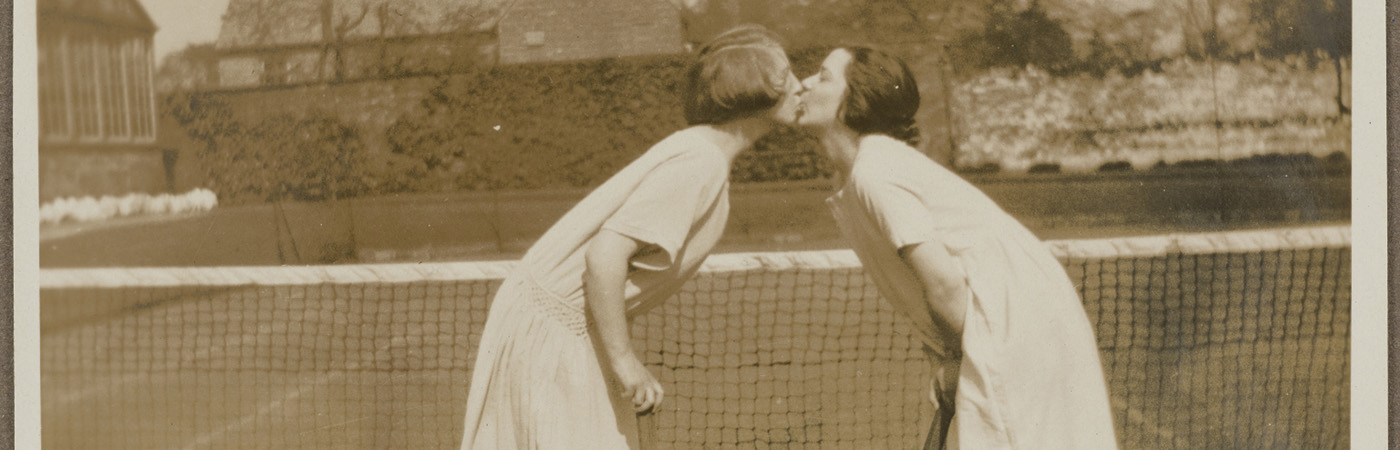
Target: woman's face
[785,111]
[820,101]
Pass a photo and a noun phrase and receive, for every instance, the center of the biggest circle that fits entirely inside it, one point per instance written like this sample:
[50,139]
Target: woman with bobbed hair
[1016,365]
[555,368]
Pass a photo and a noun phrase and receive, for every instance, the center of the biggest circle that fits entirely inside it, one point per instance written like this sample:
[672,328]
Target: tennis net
[1223,340]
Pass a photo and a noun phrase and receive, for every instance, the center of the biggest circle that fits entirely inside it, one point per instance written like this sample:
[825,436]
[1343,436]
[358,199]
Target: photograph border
[1370,340]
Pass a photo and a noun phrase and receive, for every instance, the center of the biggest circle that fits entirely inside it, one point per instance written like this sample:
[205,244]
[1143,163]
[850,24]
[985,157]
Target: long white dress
[538,382]
[1030,375]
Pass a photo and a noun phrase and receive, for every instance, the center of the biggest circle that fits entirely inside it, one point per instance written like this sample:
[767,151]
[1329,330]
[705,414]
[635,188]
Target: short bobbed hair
[737,74]
[881,97]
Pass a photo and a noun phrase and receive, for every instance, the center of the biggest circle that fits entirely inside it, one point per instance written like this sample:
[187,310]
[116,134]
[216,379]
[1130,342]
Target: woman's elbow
[605,256]
[947,288]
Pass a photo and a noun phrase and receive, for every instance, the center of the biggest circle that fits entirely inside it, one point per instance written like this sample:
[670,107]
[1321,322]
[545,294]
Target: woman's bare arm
[604,279]
[946,291]
[944,282]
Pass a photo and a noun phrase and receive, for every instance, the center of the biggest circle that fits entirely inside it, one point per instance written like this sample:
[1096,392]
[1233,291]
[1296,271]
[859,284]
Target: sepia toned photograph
[694,224]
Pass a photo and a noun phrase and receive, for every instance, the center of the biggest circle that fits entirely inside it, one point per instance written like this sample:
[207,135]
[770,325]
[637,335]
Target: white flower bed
[88,209]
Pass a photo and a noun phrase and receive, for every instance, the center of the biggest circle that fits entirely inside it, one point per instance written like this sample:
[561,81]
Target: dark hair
[741,35]
[881,95]
[738,73]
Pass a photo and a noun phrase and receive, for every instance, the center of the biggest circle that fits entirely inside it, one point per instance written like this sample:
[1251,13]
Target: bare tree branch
[346,25]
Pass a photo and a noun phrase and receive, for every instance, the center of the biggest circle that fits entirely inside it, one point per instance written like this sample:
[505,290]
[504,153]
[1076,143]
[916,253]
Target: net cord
[1126,247]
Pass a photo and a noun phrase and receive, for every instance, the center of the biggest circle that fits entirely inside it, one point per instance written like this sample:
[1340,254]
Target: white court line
[248,419]
[206,439]
[66,399]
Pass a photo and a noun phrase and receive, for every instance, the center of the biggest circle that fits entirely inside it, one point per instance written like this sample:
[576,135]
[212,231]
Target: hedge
[552,125]
[283,157]
[560,125]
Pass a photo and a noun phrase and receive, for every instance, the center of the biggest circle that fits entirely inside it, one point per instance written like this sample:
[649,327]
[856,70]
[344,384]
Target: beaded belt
[554,306]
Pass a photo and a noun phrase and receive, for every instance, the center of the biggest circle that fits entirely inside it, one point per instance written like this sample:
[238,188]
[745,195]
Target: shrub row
[315,156]
[508,127]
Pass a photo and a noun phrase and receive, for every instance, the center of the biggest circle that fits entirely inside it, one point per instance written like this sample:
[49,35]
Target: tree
[334,27]
[395,19]
[253,23]
[1201,28]
[1306,26]
[343,39]
[1011,38]
[820,23]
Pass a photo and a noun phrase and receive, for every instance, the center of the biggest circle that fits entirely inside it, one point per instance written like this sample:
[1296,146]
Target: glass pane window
[84,102]
[99,83]
[114,89]
[53,108]
[143,106]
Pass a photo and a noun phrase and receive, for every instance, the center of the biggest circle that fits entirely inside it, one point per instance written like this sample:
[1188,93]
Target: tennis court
[1224,340]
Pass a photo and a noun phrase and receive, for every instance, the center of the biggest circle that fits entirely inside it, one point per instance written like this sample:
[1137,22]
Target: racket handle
[938,431]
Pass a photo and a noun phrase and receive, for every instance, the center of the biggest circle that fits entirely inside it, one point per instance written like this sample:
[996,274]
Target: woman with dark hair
[555,368]
[1015,361]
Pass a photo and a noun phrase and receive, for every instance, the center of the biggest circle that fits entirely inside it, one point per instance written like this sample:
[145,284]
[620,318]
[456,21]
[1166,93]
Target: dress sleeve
[666,205]
[895,207]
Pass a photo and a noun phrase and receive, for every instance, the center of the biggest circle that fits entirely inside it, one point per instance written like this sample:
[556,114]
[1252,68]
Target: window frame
[96,87]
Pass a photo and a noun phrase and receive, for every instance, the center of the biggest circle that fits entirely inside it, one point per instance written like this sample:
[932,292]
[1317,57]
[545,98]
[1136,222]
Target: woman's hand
[638,383]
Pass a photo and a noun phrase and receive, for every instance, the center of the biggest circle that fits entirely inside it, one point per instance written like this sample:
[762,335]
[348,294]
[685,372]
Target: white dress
[1030,375]
[538,382]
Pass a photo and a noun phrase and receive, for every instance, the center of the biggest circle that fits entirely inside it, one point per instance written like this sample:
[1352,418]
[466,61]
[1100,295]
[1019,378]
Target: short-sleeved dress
[538,382]
[1030,376]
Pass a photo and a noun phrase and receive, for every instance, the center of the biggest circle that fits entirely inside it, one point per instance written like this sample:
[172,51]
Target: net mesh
[1229,340]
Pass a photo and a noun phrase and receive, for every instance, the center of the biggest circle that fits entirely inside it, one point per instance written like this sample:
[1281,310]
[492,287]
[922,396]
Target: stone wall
[564,30]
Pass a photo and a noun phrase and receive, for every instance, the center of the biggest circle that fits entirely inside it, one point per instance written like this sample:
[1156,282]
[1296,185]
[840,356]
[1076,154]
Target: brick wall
[563,30]
[80,172]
